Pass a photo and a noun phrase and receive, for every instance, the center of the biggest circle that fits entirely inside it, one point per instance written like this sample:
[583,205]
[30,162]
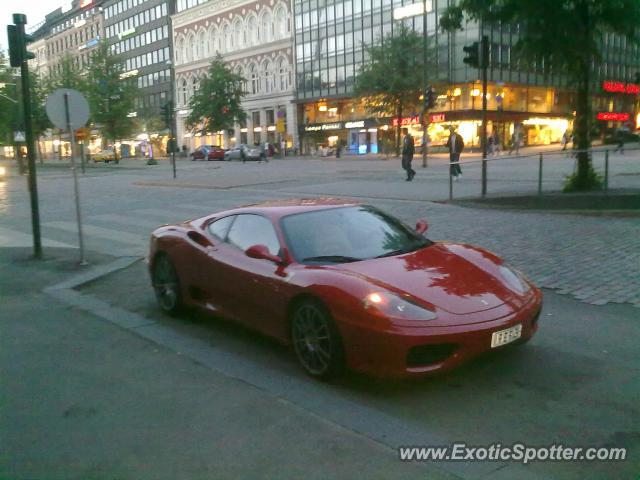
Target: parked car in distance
[107,155]
[250,152]
[208,152]
[345,284]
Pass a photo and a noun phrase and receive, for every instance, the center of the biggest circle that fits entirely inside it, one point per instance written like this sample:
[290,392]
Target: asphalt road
[576,383]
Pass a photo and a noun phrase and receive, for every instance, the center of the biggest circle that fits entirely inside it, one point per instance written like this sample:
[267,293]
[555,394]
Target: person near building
[516,138]
[408,150]
[455,143]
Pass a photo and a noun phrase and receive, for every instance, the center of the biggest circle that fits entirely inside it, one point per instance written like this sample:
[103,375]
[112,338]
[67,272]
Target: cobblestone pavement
[594,259]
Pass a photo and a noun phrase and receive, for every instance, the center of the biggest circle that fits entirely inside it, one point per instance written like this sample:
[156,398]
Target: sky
[35,10]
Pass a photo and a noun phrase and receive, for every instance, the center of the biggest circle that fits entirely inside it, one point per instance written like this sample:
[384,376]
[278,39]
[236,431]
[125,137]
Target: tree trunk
[582,131]
[398,127]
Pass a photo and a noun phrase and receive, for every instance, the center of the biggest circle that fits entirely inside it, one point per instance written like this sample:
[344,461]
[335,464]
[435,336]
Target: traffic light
[167,113]
[430,98]
[473,54]
[18,41]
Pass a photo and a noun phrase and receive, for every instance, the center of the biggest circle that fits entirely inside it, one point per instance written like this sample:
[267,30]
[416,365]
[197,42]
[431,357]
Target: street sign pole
[76,189]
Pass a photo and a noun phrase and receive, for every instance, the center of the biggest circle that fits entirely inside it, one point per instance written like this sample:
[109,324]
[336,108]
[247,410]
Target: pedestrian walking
[263,152]
[515,141]
[565,140]
[495,144]
[455,145]
[408,150]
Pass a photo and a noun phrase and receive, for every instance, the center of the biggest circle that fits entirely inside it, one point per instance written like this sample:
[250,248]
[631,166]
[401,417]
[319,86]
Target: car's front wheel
[166,285]
[316,340]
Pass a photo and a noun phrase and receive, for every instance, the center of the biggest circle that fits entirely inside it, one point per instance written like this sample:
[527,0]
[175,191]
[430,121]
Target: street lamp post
[172,116]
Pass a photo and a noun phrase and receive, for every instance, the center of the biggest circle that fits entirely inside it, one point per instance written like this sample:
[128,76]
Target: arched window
[255,79]
[252,30]
[281,22]
[283,74]
[240,71]
[201,46]
[227,38]
[238,33]
[213,41]
[266,27]
[267,77]
[179,51]
[191,48]
[184,93]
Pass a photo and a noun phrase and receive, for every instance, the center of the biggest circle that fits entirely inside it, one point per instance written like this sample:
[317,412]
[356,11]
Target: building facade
[330,39]
[138,32]
[73,33]
[255,39]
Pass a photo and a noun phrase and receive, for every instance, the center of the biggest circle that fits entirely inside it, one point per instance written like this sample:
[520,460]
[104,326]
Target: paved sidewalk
[83,399]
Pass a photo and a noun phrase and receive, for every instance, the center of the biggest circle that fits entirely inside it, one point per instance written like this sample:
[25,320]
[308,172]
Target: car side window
[219,228]
[250,230]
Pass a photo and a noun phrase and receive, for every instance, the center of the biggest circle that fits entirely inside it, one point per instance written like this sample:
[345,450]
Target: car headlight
[392,305]
[514,279]
[3,171]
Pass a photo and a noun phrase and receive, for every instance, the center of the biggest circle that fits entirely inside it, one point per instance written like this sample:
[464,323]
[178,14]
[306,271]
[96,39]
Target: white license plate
[502,337]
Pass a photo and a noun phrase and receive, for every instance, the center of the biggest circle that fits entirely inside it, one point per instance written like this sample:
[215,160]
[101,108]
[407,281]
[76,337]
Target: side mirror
[262,252]
[422,226]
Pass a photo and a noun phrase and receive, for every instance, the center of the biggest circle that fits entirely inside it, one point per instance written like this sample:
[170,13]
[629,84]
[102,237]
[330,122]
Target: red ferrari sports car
[346,285]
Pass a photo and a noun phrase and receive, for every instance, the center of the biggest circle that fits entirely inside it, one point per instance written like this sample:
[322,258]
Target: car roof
[276,209]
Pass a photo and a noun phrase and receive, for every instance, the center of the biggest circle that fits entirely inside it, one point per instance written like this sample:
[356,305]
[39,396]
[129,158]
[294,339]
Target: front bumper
[415,351]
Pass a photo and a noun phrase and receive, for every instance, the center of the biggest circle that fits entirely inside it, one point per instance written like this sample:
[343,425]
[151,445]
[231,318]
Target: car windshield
[348,234]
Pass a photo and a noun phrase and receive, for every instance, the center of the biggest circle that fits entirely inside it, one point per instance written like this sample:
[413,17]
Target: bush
[575,183]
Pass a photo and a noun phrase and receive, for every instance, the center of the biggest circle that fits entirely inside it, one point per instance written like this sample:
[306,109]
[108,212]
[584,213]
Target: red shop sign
[437,118]
[613,116]
[406,121]
[621,87]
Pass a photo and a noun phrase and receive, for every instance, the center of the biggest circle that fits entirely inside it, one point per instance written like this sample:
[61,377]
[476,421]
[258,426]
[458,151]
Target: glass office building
[138,31]
[330,40]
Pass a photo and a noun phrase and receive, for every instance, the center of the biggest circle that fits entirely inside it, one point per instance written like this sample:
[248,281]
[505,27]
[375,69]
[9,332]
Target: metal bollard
[606,170]
[540,175]
[450,184]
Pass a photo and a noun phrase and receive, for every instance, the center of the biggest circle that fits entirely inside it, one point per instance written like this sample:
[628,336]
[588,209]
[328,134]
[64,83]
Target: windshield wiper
[332,258]
[404,250]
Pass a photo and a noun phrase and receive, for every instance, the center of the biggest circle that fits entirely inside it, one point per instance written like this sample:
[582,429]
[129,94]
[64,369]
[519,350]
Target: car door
[207,274]
[255,289]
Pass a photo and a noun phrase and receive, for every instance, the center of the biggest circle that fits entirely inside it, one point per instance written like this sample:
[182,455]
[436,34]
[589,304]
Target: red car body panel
[460,283]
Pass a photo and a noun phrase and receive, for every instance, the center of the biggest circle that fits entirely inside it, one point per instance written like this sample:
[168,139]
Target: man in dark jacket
[408,150]
[455,145]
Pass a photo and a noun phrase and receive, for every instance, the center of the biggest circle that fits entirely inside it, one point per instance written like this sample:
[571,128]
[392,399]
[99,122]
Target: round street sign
[78,108]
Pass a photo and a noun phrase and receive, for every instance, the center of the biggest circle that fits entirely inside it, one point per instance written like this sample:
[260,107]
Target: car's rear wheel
[316,340]
[166,285]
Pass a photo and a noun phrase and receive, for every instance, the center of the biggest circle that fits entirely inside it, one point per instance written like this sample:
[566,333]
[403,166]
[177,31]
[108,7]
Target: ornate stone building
[255,38]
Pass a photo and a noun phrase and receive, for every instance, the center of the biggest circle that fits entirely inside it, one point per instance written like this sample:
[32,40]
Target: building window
[255,80]
[283,74]
[238,32]
[184,92]
[266,27]
[252,30]
[268,77]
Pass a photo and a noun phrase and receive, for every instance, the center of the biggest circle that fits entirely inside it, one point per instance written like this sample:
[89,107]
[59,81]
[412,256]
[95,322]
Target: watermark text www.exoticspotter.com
[518,452]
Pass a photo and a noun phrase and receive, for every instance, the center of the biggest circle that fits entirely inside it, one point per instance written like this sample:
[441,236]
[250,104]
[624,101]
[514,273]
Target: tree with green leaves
[217,104]
[567,36]
[392,81]
[8,99]
[111,98]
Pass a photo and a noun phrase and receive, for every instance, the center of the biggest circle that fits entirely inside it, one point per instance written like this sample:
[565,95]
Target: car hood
[459,279]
